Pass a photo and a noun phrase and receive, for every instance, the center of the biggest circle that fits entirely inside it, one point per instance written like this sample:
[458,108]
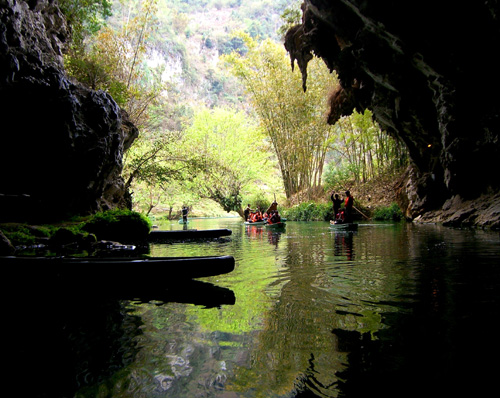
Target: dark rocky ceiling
[429,71]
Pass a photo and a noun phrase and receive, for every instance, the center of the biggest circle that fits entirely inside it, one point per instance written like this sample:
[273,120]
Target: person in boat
[247,212]
[348,204]
[336,204]
[275,217]
[255,216]
[185,212]
[272,207]
[258,215]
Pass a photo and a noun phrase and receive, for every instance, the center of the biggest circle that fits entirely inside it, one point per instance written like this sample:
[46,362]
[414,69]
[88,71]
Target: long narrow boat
[151,267]
[185,234]
[255,223]
[343,226]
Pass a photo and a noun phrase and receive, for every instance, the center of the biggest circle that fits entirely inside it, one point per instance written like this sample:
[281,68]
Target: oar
[360,212]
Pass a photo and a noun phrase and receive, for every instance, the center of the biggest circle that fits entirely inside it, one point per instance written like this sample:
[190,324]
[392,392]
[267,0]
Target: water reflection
[344,244]
[400,310]
[260,232]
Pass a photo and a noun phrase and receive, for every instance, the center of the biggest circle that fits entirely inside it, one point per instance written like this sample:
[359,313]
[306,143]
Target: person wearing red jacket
[348,204]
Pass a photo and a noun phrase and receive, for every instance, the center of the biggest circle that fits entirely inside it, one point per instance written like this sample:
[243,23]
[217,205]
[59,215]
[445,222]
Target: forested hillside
[188,36]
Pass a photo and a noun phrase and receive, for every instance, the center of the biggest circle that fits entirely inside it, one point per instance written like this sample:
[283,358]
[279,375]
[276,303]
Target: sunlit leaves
[363,151]
[294,121]
[230,154]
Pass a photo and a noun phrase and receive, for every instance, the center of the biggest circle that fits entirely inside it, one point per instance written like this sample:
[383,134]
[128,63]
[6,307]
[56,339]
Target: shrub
[309,211]
[391,213]
[120,225]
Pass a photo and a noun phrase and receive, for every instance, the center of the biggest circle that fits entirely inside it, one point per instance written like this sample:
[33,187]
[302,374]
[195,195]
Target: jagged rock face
[429,72]
[60,143]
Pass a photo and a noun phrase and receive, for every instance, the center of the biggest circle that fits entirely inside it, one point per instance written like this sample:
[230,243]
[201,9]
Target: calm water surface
[391,310]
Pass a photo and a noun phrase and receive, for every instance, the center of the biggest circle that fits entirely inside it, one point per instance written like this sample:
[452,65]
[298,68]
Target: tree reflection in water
[399,310]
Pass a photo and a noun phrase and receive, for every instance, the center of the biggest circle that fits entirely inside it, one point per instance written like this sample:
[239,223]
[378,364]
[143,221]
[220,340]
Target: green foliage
[292,119]
[230,154]
[120,225]
[309,211]
[361,151]
[19,234]
[391,213]
[85,17]
[335,176]
[291,16]
[257,200]
[112,59]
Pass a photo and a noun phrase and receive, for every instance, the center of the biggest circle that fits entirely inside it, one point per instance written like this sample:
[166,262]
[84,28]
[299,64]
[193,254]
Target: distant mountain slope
[190,35]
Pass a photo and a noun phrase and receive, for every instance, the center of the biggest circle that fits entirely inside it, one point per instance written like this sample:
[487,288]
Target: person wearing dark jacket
[336,204]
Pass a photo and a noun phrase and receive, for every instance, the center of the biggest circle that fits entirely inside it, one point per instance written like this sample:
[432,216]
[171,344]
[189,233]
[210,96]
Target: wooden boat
[187,234]
[117,269]
[255,223]
[343,226]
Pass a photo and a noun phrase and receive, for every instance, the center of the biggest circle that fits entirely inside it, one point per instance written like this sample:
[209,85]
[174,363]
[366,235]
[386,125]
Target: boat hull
[135,269]
[344,227]
[278,225]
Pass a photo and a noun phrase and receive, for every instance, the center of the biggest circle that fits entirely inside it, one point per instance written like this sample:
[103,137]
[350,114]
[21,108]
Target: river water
[397,310]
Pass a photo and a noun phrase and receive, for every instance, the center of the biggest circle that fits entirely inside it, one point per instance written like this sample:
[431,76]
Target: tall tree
[293,120]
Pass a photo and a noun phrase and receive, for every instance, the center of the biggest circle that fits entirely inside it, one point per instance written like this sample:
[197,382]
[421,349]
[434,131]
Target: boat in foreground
[343,226]
[116,269]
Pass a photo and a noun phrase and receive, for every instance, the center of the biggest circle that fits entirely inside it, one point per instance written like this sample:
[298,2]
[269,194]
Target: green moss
[23,234]
[119,225]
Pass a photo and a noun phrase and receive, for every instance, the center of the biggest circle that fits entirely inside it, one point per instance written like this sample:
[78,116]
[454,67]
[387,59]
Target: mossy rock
[119,225]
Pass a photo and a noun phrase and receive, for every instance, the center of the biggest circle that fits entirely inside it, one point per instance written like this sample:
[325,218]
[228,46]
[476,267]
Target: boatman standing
[348,204]
[184,214]
[336,204]
[247,212]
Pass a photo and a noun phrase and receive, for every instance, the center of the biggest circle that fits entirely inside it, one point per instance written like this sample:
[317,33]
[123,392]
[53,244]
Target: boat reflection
[343,245]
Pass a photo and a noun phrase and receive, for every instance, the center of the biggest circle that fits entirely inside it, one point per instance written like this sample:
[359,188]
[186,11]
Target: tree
[295,121]
[229,153]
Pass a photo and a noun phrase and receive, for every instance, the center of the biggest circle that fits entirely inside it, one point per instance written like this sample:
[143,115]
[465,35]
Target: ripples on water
[396,310]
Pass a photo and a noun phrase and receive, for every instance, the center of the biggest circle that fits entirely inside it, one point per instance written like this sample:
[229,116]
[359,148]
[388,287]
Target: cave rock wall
[61,144]
[429,72]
